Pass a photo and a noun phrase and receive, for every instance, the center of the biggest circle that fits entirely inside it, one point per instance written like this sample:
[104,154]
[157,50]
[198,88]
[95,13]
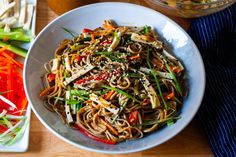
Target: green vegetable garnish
[121,92]
[151,122]
[156,79]
[79,106]
[7,122]
[146,30]
[17,50]
[170,122]
[69,31]
[17,34]
[72,102]
[103,53]
[134,75]
[79,92]
[174,78]
[19,134]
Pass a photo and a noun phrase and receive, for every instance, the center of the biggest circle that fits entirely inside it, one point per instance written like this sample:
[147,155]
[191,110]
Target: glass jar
[62,6]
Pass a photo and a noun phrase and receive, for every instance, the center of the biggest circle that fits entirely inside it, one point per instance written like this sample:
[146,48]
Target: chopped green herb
[121,92]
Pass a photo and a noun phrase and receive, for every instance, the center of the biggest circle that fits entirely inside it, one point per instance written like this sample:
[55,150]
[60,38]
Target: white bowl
[92,16]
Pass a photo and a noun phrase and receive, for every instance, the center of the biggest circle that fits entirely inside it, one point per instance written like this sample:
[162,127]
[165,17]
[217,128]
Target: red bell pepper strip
[51,77]
[94,137]
[133,117]
[3,129]
[106,42]
[86,30]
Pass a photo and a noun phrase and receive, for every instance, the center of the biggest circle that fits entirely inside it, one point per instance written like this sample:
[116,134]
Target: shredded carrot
[134,57]
[23,104]
[92,38]
[107,26]
[159,64]
[3,72]
[9,81]
[46,91]
[170,96]
[4,68]
[109,94]
[20,65]
[4,48]
[109,127]
[10,54]
[176,69]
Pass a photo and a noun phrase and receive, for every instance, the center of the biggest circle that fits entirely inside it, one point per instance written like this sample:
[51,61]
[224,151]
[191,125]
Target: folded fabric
[215,36]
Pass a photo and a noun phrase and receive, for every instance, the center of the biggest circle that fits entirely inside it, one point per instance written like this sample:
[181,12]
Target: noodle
[116,83]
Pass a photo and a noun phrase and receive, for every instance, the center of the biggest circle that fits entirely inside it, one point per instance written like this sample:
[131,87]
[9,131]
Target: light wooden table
[190,142]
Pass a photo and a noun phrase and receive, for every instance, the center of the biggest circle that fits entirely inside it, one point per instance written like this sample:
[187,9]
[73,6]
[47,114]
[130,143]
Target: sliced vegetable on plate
[15,36]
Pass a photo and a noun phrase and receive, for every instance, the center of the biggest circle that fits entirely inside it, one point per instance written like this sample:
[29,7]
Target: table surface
[190,142]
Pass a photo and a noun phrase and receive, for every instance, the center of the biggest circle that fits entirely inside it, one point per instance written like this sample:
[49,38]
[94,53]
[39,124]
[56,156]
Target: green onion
[72,102]
[19,134]
[121,92]
[79,92]
[117,115]
[151,122]
[170,122]
[103,53]
[59,98]
[79,106]
[146,30]
[156,79]
[174,78]
[69,31]
[17,34]
[113,58]
[7,122]
[110,53]
[15,49]
[134,75]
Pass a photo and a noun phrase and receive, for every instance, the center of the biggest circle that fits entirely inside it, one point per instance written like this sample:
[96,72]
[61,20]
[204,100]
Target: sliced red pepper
[86,30]
[3,129]
[133,117]
[11,80]
[79,58]
[23,105]
[94,137]
[51,77]
[99,77]
[106,42]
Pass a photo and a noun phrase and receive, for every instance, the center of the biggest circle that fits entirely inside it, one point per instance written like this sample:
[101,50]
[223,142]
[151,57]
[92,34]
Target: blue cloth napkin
[215,36]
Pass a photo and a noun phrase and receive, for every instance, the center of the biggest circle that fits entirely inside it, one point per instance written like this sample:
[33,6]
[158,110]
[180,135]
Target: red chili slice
[94,137]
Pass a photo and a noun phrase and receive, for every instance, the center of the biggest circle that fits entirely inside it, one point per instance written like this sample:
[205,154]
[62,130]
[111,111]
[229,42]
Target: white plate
[22,144]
